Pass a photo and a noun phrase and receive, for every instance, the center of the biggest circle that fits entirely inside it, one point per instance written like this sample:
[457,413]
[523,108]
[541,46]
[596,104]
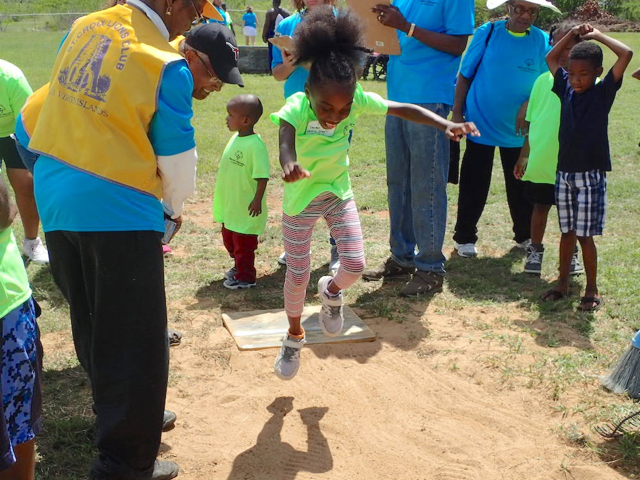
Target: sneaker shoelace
[534,257]
[331,311]
[291,353]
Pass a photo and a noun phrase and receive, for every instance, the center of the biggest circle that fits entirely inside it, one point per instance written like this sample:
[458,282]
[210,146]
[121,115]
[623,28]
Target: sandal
[553,295]
[595,302]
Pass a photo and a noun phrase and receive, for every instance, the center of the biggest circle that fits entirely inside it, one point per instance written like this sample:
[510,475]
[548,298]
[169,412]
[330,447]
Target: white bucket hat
[491,4]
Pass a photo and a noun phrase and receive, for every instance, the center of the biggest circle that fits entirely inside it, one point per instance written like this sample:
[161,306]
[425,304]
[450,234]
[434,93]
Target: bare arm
[636,74]
[521,165]
[460,99]
[283,70]
[291,169]
[623,52]
[417,114]
[391,16]
[255,207]
[553,57]
[7,208]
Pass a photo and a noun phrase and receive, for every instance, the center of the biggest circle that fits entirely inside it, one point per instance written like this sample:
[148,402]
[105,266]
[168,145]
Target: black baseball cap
[218,43]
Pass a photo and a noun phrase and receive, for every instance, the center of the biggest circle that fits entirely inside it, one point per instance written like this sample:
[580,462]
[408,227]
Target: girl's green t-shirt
[14,91]
[245,159]
[322,152]
[543,113]
[14,283]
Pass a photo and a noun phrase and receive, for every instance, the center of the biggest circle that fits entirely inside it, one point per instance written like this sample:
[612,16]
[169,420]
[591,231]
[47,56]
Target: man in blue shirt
[433,36]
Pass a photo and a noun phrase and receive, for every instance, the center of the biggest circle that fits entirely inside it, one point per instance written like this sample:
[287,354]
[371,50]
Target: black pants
[114,283]
[475,180]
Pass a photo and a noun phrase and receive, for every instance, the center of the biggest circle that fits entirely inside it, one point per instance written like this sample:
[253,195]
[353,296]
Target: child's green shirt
[245,159]
[322,152]
[543,113]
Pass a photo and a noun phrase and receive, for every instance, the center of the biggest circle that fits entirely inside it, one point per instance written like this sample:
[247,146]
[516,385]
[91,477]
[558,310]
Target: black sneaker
[388,269]
[533,263]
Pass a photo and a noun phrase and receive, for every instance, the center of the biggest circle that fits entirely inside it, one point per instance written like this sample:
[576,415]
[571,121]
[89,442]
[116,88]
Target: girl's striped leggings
[344,224]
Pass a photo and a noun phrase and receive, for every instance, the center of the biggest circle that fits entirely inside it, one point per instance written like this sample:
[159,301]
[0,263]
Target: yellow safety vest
[95,113]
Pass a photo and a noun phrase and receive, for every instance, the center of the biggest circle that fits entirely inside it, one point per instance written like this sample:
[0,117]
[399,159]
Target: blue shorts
[21,372]
[581,198]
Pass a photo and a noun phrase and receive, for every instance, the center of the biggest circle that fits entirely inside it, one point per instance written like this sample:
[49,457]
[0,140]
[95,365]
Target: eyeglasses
[213,77]
[534,12]
[199,16]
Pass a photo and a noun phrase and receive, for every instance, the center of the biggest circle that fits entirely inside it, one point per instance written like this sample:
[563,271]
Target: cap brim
[211,12]
[232,76]
[491,4]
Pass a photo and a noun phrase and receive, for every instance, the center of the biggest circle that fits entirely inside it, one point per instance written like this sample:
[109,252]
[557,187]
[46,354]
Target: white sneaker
[524,245]
[35,251]
[288,360]
[331,316]
[334,263]
[282,259]
[466,250]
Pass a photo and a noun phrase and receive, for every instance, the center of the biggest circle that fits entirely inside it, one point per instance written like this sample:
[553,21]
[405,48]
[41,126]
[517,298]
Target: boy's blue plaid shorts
[581,198]
[20,376]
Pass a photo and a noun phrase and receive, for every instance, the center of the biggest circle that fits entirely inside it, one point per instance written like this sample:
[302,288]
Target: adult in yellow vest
[116,148]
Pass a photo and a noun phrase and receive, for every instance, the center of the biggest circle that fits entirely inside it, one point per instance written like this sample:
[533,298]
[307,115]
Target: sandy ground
[415,404]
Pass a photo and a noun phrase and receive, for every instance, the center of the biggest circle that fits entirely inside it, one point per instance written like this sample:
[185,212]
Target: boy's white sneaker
[35,251]
[466,250]
[331,315]
[288,360]
[282,259]
[524,245]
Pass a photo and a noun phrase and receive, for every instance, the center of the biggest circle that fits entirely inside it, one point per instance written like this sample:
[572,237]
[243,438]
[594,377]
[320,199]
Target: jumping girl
[314,141]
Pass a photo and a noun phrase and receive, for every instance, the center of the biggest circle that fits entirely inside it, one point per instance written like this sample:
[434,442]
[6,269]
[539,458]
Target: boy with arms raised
[584,158]
[239,203]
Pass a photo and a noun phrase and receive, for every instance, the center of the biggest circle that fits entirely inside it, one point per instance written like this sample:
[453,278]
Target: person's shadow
[271,458]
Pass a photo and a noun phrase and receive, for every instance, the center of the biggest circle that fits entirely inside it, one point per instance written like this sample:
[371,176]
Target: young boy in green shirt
[239,203]
[539,156]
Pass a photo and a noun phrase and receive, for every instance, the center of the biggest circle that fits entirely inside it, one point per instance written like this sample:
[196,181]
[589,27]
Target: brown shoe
[388,269]
[423,283]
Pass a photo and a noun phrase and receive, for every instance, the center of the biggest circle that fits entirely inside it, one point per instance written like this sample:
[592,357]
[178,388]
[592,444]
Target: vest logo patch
[83,75]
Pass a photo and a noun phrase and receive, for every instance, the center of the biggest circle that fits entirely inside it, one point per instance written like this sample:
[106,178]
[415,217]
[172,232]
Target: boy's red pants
[242,248]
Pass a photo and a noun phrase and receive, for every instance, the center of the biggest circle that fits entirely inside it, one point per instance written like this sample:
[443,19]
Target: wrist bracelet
[413,27]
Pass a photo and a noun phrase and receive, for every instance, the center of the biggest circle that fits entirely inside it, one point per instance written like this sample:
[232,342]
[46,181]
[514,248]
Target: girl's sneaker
[235,284]
[231,273]
[576,267]
[331,316]
[288,360]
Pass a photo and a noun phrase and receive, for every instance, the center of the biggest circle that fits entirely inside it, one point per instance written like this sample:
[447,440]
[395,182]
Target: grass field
[494,281]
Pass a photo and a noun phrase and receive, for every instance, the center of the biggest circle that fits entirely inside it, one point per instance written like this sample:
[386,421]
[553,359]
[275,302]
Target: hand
[457,131]
[580,30]
[178,221]
[594,34]
[390,16]
[457,117]
[255,207]
[288,59]
[522,126]
[520,167]
[292,172]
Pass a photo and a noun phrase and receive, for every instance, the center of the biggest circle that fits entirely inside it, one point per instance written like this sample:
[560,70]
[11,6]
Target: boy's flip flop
[595,302]
[553,295]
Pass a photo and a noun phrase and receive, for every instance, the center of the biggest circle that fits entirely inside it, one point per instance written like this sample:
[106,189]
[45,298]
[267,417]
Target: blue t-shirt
[249,19]
[584,123]
[79,201]
[298,78]
[422,74]
[505,76]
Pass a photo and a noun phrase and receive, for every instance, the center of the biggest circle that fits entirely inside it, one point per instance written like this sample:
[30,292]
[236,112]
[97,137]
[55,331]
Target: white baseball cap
[491,4]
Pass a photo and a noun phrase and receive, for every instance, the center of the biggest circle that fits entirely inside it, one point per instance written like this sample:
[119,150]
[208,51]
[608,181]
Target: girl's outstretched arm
[291,169]
[417,114]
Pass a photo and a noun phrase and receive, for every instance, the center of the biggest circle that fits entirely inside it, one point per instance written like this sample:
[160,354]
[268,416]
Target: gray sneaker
[334,264]
[231,273]
[331,316]
[288,360]
[389,269]
[533,263]
[576,267]
[235,284]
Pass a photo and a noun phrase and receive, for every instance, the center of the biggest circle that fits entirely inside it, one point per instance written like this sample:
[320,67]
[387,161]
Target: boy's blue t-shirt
[79,201]
[422,74]
[503,81]
[298,78]
[249,19]
[584,123]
